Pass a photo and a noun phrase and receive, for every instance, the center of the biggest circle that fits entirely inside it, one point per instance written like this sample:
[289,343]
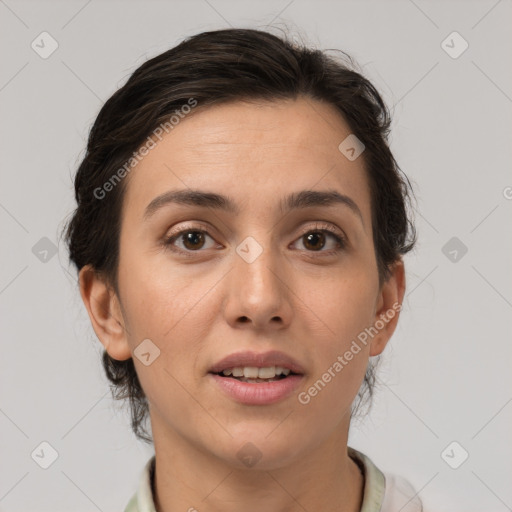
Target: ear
[389,304]
[105,313]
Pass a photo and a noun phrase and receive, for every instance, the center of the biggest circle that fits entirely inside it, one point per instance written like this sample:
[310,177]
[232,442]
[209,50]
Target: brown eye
[314,240]
[317,239]
[192,240]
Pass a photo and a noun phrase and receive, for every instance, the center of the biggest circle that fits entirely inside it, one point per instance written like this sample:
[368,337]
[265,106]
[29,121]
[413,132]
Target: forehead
[256,152]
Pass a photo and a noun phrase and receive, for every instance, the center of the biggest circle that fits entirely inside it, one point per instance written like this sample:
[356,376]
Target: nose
[258,289]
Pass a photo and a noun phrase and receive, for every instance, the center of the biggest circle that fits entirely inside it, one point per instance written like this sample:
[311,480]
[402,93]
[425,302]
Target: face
[203,282]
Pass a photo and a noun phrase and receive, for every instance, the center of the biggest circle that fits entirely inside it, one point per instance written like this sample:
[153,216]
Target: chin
[258,450]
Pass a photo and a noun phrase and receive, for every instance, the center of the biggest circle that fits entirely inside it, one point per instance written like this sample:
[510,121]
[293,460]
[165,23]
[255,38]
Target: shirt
[382,492]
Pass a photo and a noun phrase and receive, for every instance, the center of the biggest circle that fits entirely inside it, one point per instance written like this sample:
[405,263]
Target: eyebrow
[296,200]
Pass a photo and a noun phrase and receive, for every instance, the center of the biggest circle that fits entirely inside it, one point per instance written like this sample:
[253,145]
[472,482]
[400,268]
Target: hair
[212,68]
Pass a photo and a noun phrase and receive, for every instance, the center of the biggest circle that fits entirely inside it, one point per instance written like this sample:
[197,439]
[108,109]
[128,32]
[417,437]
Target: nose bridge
[256,261]
[260,293]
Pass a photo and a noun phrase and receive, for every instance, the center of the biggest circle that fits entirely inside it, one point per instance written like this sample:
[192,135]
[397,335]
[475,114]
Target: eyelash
[319,228]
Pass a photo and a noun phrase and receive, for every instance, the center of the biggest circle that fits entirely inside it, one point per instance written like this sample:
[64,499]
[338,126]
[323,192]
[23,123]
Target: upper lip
[259,360]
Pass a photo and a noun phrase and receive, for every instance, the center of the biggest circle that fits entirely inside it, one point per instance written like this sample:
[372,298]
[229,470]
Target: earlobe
[388,308]
[103,308]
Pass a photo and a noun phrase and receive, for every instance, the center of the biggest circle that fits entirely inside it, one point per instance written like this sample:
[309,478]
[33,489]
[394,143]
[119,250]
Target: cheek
[172,308]
[165,307]
[338,311]
[341,306]
[160,297]
[325,399]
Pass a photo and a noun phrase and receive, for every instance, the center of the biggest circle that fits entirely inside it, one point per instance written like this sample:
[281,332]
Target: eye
[192,240]
[314,240]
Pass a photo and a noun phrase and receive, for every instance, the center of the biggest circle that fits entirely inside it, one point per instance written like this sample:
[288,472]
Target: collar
[373,494]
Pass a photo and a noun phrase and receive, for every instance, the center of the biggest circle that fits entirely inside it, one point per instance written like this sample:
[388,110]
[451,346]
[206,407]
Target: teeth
[266,373]
[252,372]
[284,371]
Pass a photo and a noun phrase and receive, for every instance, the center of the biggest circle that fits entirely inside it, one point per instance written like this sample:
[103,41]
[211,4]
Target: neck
[189,478]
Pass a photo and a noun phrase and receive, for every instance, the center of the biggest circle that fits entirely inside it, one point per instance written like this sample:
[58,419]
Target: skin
[292,298]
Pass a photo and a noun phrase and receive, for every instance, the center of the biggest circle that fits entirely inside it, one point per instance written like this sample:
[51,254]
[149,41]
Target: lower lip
[261,393]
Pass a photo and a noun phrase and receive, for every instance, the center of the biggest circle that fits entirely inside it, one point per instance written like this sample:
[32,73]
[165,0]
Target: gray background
[446,374]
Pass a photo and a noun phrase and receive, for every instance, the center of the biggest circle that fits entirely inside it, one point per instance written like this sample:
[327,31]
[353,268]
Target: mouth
[257,379]
[255,375]
[257,366]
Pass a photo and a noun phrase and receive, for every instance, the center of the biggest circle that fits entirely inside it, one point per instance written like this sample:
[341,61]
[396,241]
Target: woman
[239,236]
